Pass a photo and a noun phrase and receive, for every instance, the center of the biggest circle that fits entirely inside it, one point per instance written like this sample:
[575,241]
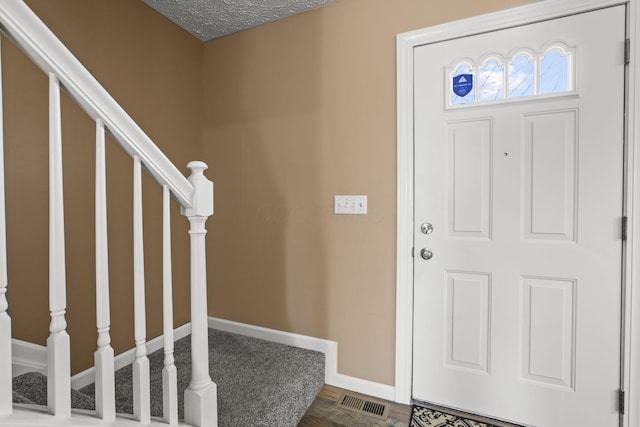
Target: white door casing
[517,313]
[495,21]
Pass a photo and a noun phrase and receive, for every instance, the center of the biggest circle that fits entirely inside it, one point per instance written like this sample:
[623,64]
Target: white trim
[86,377]
[329,348]
[404,247]
[507,18]
[631,354]
[52,56]
[370,388]
[530,13]
[27,357]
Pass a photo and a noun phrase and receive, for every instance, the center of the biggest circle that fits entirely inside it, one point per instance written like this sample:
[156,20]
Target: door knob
[426,254]
[426,228]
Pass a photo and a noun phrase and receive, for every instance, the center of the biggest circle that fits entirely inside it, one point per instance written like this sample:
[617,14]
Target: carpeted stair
[260,383]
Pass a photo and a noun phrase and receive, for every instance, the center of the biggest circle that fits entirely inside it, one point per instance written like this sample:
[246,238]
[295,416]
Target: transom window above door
[521,75]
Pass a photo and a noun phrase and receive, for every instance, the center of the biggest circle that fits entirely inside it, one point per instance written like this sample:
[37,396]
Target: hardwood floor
[324,412]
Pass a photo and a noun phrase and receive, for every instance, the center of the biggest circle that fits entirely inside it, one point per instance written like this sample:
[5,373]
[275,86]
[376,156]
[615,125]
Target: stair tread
[259,383]
[31,388]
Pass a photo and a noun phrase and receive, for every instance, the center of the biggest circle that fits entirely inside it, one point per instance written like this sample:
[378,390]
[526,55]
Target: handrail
[23,26]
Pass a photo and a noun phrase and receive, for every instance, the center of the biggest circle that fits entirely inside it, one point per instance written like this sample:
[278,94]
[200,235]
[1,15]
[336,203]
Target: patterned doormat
[425,417]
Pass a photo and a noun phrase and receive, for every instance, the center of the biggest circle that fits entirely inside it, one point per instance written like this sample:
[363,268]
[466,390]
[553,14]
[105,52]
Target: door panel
[467,339]
[549,167]
[517,313]
[548,331]
[469,179]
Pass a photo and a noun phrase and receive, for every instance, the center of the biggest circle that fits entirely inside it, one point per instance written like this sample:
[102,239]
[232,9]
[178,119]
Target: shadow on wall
[266,260]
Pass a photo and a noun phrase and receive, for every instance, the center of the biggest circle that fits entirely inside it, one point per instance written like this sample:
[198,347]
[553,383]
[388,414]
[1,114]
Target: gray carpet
[259,383]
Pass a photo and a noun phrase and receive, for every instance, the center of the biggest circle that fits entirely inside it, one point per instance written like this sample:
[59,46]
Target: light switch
[350,205]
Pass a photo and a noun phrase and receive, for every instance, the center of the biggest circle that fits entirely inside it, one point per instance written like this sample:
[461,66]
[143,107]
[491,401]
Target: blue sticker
[462,84]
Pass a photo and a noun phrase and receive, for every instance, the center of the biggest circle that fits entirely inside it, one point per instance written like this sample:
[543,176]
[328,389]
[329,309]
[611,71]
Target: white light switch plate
[350,205]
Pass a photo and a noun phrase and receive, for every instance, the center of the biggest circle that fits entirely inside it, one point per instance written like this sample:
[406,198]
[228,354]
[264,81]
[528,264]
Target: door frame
[519,15]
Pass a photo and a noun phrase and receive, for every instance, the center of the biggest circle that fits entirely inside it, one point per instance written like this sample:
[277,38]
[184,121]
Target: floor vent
[362,405]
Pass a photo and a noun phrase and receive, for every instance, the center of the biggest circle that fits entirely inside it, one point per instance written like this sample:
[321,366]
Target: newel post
[200,398]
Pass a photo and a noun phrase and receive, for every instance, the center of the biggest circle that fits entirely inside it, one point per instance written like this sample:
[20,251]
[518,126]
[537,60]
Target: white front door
[517,312]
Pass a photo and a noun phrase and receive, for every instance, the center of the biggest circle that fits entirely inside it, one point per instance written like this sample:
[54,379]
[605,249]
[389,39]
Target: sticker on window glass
[462,84]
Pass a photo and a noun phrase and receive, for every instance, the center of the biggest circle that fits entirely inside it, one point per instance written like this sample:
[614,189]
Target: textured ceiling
[209,19]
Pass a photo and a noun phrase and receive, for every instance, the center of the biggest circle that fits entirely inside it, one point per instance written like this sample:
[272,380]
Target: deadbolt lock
[426,228]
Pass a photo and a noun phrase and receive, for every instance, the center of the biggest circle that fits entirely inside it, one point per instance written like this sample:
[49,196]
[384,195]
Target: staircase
[260,383]
[195,198]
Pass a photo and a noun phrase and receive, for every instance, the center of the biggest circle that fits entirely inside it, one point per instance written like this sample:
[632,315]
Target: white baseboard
[370,388]
[86,377]
[329,348]
[27,357]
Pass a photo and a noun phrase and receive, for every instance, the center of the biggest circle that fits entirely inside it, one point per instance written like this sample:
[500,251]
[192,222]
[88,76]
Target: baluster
[103,357]
[200,398]
[141,384]
[58,344]
[5,320]
[169,372]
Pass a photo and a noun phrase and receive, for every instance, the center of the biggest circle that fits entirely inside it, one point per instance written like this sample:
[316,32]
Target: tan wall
[153,69]
[295,112]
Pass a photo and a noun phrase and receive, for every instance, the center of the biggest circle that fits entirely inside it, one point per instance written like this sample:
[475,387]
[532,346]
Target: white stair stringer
[32,415]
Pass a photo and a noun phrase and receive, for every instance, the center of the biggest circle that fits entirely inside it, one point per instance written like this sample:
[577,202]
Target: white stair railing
[169,371]
[141,392]
[195,197]
[103,357]
[199,399]
[58,343]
